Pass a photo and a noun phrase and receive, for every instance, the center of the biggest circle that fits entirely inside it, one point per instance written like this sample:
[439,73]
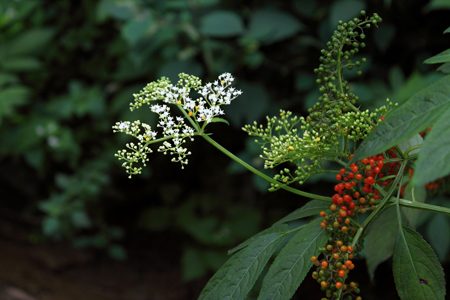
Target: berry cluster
[356,192]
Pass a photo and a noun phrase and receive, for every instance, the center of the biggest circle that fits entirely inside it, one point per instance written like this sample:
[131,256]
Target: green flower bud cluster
[332,121]
[336,98]
[282,142]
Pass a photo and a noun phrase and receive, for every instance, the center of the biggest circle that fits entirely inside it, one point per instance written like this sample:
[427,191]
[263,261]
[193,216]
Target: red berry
[341,273]
[342,171]
[354,168]
[358,176]
[338,177]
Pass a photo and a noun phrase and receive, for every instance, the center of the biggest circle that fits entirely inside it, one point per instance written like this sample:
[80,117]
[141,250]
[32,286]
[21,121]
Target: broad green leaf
[221,24]
[438,233]
[219,120]
[445,68]
[415,115]
[434,157]
[381,239]
[11,98]
[21,64]
[279,228]
[136,29]
[30,41]
[270,26]
[293,262]
[242,276]
[415,140]
[416,193]
[309,209]
[437,4]
[442,57]
[417,272]
[7,78]
[447,30]
[212,288]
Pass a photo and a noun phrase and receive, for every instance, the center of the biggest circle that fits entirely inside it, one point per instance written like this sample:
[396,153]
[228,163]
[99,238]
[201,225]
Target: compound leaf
[279,228]
[417,271]
[442,57]
[293,262]
[381,239]
[434,157]
[418,113]
[251,261]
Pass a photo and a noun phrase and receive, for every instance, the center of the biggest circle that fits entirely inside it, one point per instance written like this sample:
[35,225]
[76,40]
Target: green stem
[380,206]
[262,175]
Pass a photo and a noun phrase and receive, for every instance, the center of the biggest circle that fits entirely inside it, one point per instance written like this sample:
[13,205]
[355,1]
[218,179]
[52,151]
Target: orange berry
[333,206]
[350,248]
[323,225]
[341,273]
[313,259]
[348,262]
[344,228]
[344,267]
[344,248]
[338,285]
[339,243]
[324,264]
[336,255]
[324,284]
[351,267]
[323,213]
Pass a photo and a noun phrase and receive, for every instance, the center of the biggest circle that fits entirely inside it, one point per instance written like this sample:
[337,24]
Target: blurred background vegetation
[68,70]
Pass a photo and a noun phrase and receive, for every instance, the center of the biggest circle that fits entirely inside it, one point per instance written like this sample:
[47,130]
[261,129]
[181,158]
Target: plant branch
[262,175]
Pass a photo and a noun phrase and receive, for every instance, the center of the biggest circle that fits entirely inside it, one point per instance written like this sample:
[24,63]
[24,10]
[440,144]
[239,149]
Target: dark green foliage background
[68,71]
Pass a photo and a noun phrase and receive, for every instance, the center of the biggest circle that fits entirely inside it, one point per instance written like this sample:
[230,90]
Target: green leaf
[293,262]
[442,57]
[221,24]
[381,239]
[279,228]
[437,4]
[21,64]
[219,120]
[416,193]
[438,233]
[241,273]
[405,146]
[214,285]
[136,29]
[417,272]
[11,98]
[415,115]
[447,30]
[445,68]
[30,41]
[270,26]
[311,208]
[7,78]
[434,157]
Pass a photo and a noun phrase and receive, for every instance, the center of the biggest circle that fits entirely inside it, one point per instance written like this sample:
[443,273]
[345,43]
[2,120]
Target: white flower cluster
[203,109]
[136,152]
